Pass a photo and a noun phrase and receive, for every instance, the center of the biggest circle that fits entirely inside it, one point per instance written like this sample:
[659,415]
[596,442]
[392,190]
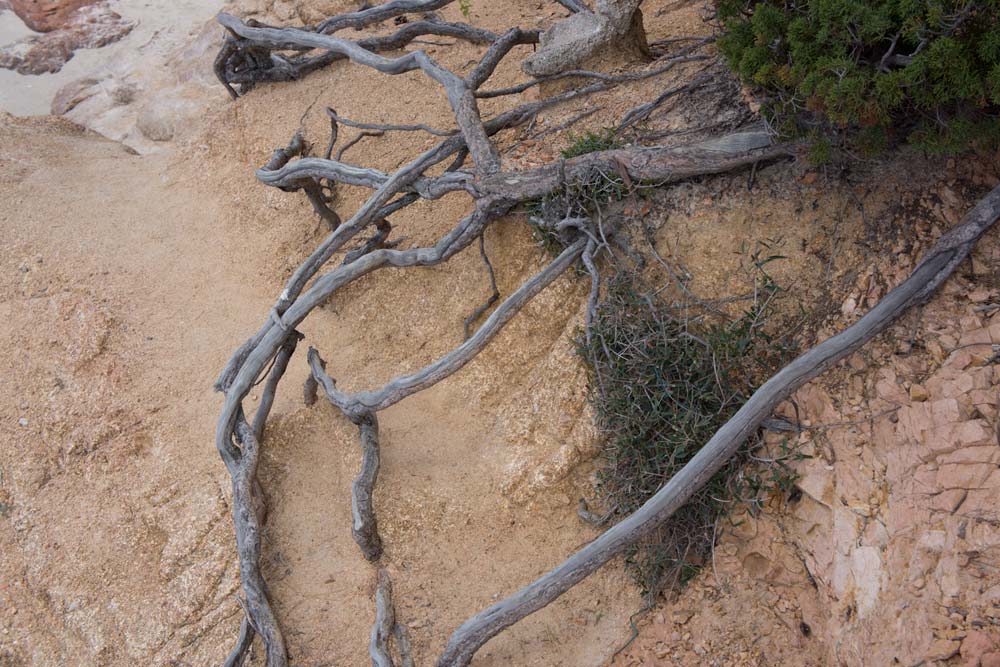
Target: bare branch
[494,292]
[401,387]
[949,251]
[379,13]
[385,619]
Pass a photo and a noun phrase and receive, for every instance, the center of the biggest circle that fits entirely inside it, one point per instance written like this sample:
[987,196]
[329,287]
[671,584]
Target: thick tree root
[386,628]
[252,54]
[950,250]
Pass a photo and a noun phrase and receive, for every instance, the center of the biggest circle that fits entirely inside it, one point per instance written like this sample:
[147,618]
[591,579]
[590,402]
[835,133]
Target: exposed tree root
[252,54]
[386,628]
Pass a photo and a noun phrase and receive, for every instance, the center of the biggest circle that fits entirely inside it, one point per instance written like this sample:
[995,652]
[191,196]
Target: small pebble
[23,421]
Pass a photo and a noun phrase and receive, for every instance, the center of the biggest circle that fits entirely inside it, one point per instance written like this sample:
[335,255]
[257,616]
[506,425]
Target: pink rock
[93,26]
[973,454]
[942,649]
[948,501]
[46,15]
[945,411]
[990,660]
[983,396]
[963,475]
[975,645]
[939,440]
[975,432]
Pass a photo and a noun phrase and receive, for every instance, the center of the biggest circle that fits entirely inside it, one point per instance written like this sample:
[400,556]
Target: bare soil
[128,280]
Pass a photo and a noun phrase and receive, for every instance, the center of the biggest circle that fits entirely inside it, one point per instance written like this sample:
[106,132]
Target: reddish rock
[963,475]
[89,28]
[975,645]
[942,649]
[47,15]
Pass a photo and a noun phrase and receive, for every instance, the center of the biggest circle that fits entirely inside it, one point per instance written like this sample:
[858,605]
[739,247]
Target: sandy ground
[128,280]
[160,28]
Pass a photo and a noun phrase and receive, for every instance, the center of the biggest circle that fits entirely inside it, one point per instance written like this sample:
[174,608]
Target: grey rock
[155,125]
[570,41]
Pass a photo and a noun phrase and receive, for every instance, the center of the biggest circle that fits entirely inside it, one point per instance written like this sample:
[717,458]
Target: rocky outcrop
[88,27]
[46,15]
[573,40]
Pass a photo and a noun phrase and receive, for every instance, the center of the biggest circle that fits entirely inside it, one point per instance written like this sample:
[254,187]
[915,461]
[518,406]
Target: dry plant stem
[949,251]
[385,620]
[494,292]
[574,6]
[459,93]
[673,61]
[402,637]
[642,111]
[355,405]
[243,642]
[390,128]
[248,518]
[361,135]
[378,13]
[364,528]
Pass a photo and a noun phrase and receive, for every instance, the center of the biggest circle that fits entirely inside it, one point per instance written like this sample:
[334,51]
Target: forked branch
[254,53]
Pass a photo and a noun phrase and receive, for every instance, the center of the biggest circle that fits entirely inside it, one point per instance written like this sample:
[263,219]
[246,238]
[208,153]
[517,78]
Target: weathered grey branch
[574,5]
[379,13]
[234,63]
[642,111]
[401,387]
[385,619]
[589,74]
[460,96]
[250,55]
[949,251]
[391,128]
[364,527]
[494,292]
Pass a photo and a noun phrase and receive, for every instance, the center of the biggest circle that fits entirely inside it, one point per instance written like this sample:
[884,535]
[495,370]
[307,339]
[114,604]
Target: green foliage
[865,75]
[663,382]
[580,197]
[591,142]
[465,6]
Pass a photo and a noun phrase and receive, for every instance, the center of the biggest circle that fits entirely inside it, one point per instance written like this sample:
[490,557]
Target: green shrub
[662,382]
[866,75]
[591,142]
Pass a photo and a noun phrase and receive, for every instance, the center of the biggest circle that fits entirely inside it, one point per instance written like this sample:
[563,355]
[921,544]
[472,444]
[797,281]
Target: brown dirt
[128,280]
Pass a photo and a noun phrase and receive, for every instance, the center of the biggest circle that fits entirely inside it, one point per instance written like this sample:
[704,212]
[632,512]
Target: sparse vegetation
[663,380]
[590,142]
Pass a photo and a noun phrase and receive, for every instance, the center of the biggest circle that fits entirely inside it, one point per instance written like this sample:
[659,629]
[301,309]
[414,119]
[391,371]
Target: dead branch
[243,63]
[253,53]
[378,13]
[949,251]
[390,128]
[385,619]
[355,405]
[494,292]
[387,628]
[364,527]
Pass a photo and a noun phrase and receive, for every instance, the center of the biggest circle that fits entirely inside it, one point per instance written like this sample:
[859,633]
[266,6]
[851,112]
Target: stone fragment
[963,475]
[569,42]
[47,15]
[942,649]
[155,125]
